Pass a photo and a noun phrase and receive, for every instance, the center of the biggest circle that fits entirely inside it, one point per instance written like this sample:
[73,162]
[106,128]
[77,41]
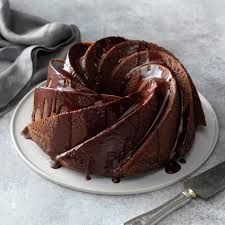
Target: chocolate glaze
[60,79]
[116,108]
[187,95]
[172,167]
[88,177]
[182,160]
[116,180]
[94,57]
[67,130]
[72,63]
[119,139]
[49,102]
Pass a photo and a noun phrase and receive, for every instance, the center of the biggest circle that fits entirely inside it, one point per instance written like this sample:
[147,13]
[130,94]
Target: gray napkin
[26,45]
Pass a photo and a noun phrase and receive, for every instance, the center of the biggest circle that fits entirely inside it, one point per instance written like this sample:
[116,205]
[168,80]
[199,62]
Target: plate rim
[102,192]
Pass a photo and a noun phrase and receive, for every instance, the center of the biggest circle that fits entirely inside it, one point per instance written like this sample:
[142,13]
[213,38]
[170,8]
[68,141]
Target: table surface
[195,32]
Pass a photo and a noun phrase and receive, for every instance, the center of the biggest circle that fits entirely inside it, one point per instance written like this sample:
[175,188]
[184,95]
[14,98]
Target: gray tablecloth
[195,32]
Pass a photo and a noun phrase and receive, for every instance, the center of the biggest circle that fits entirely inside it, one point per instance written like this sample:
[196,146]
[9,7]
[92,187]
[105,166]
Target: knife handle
[157,214]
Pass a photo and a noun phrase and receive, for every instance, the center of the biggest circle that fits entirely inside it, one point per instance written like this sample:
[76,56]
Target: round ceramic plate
[204,144]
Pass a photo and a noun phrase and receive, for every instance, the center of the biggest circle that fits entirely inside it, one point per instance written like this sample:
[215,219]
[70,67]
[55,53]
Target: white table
[195,32]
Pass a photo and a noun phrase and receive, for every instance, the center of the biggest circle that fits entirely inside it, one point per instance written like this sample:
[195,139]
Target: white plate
[34,157]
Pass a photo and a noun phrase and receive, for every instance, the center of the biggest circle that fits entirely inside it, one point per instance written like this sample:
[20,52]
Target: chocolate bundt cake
[116,108]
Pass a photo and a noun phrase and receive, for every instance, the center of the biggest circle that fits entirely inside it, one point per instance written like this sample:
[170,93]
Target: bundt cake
[115,108]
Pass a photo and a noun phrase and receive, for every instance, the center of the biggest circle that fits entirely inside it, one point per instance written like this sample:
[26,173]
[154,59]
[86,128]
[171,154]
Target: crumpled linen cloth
[26,45]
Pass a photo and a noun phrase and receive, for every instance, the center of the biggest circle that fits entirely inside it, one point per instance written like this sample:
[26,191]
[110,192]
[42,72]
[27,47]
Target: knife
[204,186]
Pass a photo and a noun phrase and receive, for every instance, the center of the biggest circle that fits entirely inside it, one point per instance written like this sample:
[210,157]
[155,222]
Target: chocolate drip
[116,180]
[172,167]
[88,177]
[90,167]
[182,160]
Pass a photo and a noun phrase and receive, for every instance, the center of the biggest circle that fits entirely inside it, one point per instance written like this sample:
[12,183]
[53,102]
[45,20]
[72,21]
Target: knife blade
[208,183]
[204,185]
